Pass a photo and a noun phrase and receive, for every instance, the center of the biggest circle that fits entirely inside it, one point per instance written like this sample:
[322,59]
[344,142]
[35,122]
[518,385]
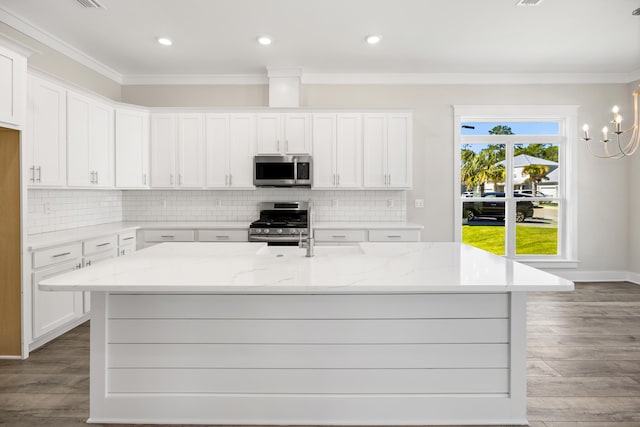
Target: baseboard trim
[597,275]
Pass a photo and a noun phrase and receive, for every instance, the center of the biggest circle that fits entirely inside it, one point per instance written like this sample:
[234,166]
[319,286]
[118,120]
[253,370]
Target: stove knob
[257,230]
[293,231]
[266,231]
[279,230]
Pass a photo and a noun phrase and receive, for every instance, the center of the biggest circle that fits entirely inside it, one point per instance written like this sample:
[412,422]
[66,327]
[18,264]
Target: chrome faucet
[309,242]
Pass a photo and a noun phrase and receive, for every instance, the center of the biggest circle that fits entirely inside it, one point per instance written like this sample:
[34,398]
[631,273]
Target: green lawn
[529,240]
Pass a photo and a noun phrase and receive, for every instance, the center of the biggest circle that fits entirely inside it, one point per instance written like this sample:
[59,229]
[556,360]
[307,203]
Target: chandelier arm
[633,143]
[600,156]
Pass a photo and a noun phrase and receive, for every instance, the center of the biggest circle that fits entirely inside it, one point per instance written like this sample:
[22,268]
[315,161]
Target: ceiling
[213,37]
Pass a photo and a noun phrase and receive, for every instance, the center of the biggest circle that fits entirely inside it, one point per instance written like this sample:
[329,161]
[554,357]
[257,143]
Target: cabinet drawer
[127,238]
[340,235]
[223,235]
[394,235]
[169,235]
[56,255]
[93,259]
[101,244]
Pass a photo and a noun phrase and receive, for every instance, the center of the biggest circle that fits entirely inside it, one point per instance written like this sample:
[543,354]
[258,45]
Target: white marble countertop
[257,268]
[55,238]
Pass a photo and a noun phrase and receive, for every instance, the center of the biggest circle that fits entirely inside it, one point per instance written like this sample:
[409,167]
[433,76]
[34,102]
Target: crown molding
[55,43]
[634,76]
[195,79]
[16,46]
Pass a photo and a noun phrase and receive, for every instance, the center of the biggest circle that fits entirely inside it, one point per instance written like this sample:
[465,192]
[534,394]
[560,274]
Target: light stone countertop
[55,238]
[232,268]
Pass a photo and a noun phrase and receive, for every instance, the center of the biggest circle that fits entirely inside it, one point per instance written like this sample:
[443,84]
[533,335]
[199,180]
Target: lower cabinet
[52,310]
[223,235]
[351,236]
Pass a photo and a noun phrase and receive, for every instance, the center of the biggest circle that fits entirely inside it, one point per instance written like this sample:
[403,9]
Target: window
[515,182]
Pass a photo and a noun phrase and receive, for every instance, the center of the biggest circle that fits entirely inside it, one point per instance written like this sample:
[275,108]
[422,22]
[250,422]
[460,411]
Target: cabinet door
[324,141]
[242,141]
[190,150]
[13,69]
[399,141]
[349,150]
[79,173]
[87,262]
[132,148]
[297,133]
[374,144]
[101,148]
[54,309]
[47,125]
[270,133]
[217,156]
[163,151]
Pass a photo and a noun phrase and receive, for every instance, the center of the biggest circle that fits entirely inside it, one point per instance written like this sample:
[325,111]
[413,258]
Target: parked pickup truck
[494,208]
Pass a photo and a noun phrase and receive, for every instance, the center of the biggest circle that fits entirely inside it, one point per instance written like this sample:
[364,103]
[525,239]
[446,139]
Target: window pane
[510,128]
[481,169]
[536,170]
[483,225]
[539,235]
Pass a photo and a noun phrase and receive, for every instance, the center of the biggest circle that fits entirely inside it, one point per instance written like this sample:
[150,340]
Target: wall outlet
[419,203]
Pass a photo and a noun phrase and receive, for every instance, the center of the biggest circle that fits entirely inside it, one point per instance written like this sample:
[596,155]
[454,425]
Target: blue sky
[518,128]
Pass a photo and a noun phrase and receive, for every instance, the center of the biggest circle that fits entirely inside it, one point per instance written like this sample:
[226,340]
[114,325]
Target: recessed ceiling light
[264,40]
[374,39]
[165,41]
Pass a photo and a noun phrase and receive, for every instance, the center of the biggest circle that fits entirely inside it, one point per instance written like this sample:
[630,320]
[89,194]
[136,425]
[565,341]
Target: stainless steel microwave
[282,171]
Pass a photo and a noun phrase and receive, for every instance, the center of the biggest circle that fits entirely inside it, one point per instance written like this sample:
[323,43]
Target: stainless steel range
[281,223]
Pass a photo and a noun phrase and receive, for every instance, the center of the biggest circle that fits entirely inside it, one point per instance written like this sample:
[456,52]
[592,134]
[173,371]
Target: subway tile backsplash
[157,205]
[53,210]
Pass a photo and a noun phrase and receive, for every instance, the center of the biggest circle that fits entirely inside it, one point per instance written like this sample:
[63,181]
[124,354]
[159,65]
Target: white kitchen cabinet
[230,142]
[90,142]
[387,140]
[88,261]
[337,150]
[164,139]
[13,71]
[190,150]
[177,144]
[46,134]
[284,133]
[54,309]
[223,235]
[132,148]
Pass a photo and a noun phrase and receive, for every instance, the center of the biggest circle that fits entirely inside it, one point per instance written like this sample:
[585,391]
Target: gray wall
[634,199]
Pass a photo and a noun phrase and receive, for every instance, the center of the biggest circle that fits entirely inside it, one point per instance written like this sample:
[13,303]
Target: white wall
[634,200]
[603,190]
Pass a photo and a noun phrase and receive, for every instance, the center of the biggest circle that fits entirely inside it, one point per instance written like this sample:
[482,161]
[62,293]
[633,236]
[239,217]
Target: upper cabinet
[230,142]
[90,142]
[132,148]
[45,133]
[387,150]
[337,150]
[177,146]
[13,72]
[284,133]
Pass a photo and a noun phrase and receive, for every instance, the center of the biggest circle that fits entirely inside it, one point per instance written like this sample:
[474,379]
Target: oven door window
[274,171]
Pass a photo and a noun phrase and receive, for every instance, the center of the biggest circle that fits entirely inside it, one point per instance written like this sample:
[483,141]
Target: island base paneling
[377,359]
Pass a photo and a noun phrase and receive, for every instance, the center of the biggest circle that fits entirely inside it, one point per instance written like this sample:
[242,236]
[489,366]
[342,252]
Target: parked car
[529,193]
[493,208]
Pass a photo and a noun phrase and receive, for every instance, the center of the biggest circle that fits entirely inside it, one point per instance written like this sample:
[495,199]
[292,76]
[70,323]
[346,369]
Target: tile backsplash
[363,206]
[53,210]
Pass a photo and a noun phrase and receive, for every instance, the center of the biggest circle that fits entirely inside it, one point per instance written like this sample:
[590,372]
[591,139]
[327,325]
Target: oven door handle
[289,238]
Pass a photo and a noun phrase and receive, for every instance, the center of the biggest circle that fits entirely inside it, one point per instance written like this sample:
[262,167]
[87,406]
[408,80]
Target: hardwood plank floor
[583,368]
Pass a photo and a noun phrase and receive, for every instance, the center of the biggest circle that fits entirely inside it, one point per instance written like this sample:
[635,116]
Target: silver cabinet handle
[33,174]
[39,169]
[222,237]
[393,236]
[128,238]
[226,180]
[168,237]
[144,179]
[179,179]
[91,177]
[389,183]
[230,180]
[170,179]
[103,244]
[88,263]
[62,254]
[339,236]
[96,177]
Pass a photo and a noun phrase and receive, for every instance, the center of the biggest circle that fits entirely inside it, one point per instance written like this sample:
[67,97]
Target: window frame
[566,116]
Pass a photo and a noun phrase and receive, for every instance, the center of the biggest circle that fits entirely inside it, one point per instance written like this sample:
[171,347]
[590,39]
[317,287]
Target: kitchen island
[244,333]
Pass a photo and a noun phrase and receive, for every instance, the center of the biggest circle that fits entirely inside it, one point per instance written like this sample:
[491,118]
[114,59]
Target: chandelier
[621,149]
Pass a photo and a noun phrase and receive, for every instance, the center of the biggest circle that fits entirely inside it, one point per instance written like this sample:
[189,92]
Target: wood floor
[584,365]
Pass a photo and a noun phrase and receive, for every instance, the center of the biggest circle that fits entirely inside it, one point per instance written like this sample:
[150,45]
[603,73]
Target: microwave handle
[295,170]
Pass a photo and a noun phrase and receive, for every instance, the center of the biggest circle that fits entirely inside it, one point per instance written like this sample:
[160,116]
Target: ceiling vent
[93,4]
[522,2]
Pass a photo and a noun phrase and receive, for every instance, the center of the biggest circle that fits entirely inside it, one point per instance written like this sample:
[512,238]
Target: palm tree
[536,173]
